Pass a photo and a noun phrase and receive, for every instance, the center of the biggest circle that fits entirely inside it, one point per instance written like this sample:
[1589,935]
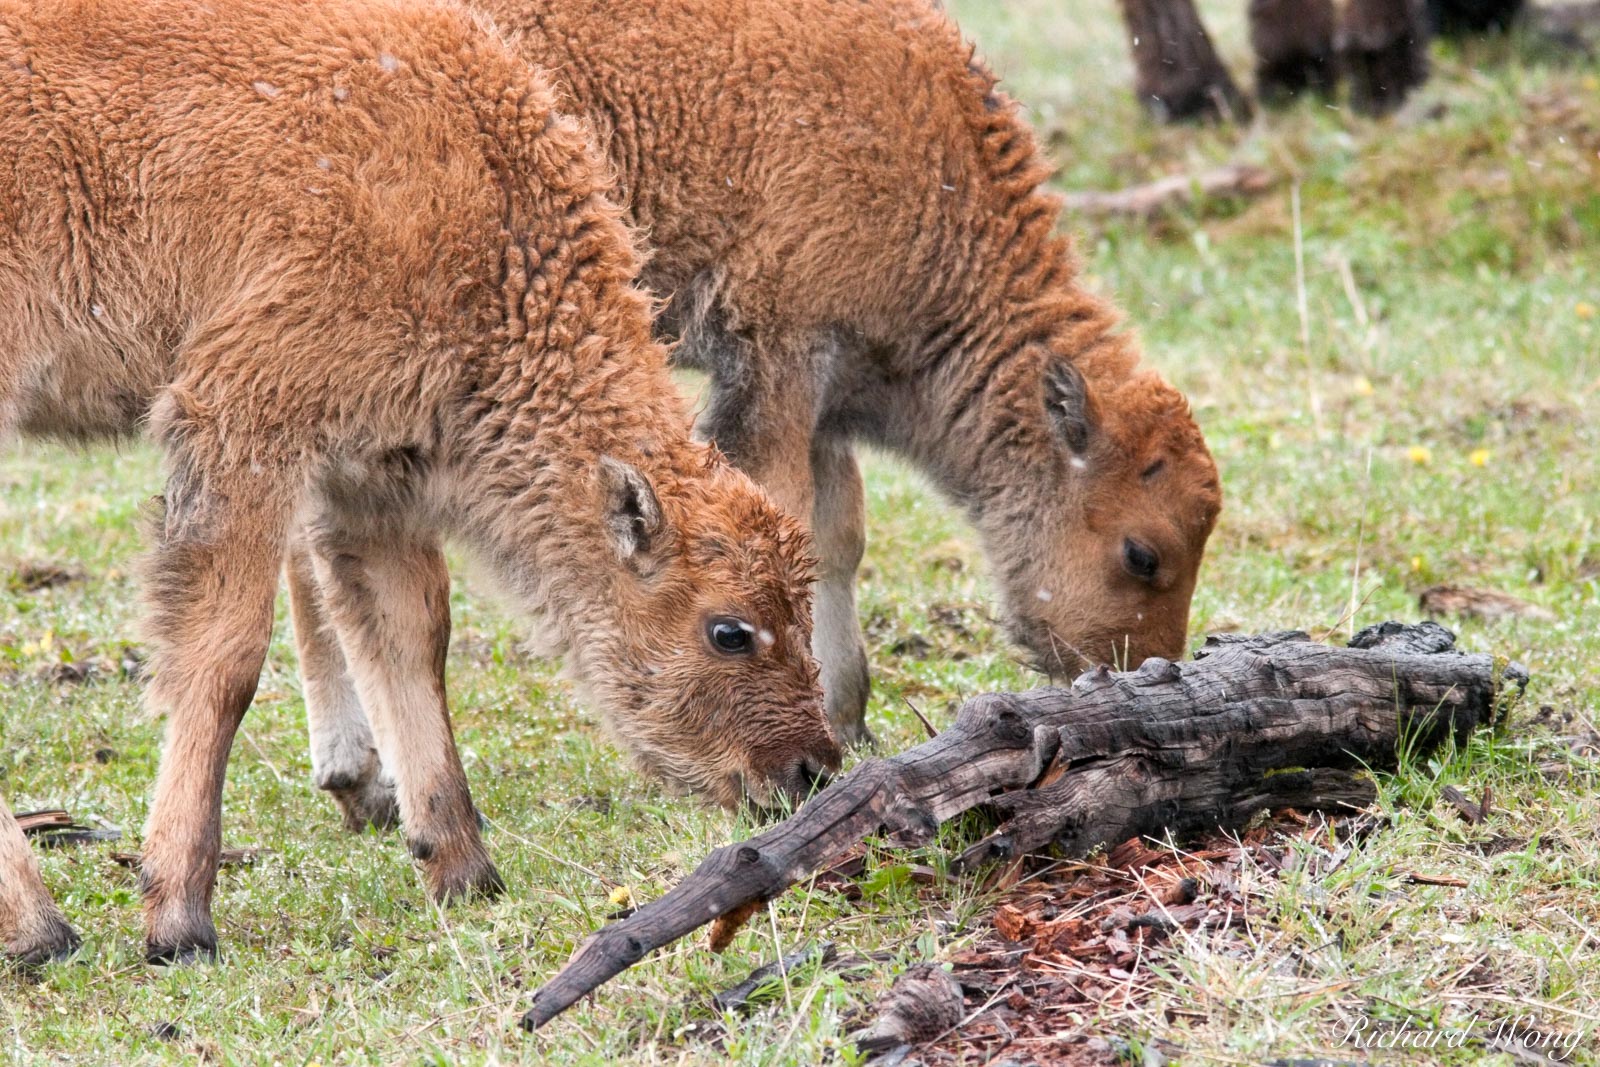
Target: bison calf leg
[32,928]
[389,599]
[1293,43]
[210,584]
[344,755]
[1383,47]
[768,429]
[839,518]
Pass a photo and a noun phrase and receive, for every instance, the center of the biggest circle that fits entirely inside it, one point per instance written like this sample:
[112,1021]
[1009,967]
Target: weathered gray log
[1254,722]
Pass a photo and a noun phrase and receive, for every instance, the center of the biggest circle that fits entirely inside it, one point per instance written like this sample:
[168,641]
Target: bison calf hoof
[371,803]
[54,941]
[181,953]
[452,882]
[180,932]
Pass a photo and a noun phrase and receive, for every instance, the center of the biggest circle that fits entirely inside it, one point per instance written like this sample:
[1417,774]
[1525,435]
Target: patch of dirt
[1485,604]
[913,645]
[950,634]
[128,666]
[1077,942]
[32,576]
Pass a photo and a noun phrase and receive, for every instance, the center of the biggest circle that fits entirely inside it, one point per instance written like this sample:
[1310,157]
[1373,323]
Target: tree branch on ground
[1254,723]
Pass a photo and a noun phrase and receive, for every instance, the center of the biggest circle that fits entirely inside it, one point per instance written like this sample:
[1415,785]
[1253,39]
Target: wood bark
[1254,722]
[1177,73]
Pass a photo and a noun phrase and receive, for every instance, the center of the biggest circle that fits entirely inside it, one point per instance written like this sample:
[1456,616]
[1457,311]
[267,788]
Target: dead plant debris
[1077,941]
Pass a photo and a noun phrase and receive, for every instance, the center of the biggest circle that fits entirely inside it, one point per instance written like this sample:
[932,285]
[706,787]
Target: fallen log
[1273,720]
[1177,190]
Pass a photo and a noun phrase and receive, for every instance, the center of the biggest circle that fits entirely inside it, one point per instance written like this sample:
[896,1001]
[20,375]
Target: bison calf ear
[632,513]
[1067,402]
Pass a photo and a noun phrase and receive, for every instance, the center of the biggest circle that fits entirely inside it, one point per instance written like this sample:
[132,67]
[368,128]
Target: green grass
[1440,421]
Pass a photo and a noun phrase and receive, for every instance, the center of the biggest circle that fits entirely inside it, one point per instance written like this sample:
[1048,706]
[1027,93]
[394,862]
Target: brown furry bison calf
[848,218]
[360,279]
[850,233]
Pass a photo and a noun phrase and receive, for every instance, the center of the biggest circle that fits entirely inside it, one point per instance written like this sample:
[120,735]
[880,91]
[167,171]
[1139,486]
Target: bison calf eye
[731,636]
[1139,560]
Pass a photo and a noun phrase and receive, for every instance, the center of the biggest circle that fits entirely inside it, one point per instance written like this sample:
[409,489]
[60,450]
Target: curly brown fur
[351,268]
[847,222]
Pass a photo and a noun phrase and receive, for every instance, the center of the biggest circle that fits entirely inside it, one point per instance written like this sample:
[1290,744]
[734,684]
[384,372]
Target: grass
[1441,422]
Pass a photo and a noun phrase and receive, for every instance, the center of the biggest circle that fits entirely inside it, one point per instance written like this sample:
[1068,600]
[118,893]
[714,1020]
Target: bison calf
[850,221]
[350,267]
[849,225]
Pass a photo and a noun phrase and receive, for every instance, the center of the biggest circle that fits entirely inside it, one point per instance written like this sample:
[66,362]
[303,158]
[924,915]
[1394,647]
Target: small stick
[926,725]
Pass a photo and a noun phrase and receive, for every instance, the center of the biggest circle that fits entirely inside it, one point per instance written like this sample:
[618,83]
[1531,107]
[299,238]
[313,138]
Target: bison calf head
[705,670]
[1098,547]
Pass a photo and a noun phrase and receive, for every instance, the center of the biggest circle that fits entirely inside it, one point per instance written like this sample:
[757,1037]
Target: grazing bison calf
[849,228]
[361,281]
[849,220]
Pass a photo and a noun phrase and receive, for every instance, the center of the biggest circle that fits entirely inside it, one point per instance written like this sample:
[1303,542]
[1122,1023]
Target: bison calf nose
[814,777]
[788,787]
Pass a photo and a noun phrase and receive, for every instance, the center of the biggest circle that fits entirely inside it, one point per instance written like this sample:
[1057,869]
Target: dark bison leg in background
[1383,50]
[1177,74]
[1293,43]
[1457,18]
[1255,722]
[1571,26]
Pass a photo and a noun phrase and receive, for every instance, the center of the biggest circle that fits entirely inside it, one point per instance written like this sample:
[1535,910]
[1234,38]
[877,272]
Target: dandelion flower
[622,897]
[1421,455]
[1363,386]
[1479,457]
[1584,310]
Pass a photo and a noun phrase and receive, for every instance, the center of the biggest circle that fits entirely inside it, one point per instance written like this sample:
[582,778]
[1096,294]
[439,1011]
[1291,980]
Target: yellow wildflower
[1420,454]
[1584,310]
[1363,386]
[622,897]
[1479,457]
